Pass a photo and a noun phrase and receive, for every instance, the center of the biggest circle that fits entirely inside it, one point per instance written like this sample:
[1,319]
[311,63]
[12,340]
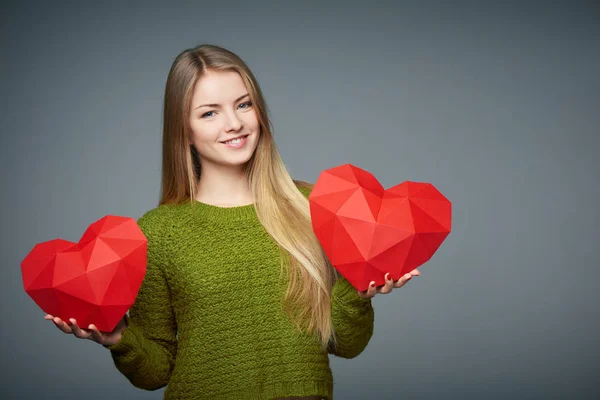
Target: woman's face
[221,110]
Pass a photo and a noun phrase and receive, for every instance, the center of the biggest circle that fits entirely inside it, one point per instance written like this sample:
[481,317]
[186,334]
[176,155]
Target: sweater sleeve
[353,317]
[145,355]
[353,320]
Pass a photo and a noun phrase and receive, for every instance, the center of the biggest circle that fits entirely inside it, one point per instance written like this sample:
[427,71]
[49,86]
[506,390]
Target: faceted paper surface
[95,280]
[367,231]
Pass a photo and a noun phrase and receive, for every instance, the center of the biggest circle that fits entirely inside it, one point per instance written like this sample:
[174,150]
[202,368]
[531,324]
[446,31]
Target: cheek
[255,128]
[201,134]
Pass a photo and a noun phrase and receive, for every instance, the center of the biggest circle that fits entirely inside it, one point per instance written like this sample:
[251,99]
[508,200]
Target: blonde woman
[239,300]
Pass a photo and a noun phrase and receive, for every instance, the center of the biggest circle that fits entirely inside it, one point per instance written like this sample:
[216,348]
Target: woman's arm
[147,349]
[353,316]
[353,320]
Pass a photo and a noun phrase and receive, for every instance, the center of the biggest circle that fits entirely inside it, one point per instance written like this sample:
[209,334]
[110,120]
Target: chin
[237,161]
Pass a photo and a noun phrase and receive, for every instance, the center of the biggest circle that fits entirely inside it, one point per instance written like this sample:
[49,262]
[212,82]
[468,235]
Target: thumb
[96,335]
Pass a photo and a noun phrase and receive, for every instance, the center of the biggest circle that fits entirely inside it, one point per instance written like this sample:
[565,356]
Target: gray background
[495,103]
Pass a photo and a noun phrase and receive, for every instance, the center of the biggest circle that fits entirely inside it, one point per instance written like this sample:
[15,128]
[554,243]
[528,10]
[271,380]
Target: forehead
[218,87]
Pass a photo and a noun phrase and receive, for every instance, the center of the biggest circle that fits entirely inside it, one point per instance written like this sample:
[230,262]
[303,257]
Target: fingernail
[372,284]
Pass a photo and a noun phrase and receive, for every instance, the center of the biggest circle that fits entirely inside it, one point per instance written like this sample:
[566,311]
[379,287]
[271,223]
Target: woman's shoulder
[152,221]
[304,187]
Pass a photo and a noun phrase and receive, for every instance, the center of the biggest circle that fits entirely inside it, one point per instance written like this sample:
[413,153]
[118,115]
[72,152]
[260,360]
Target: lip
[237,137]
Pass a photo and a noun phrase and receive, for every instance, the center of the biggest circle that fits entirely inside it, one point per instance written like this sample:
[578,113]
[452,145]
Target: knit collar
[225,214]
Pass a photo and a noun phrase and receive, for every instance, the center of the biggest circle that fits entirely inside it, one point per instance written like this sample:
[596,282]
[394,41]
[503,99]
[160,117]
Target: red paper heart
[367,231]
[95,280]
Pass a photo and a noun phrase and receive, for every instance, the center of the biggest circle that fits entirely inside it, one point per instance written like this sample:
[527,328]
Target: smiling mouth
[236,140]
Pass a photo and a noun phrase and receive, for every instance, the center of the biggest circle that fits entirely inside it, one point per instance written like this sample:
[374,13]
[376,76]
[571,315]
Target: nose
[232,122]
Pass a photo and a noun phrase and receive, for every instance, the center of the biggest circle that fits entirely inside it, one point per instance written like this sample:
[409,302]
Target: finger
[389,284]
[95,333]
[48,317]
[370,292]
[77,331]
[62,325]
[415,272]
[402,281]
[372,289]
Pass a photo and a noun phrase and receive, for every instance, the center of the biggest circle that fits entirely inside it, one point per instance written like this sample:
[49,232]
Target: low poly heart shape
[95,280]
[367,231]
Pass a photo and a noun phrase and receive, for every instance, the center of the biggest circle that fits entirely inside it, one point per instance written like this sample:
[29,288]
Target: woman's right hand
[103,338]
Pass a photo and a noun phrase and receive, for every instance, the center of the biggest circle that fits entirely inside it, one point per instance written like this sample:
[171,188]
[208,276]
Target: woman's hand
[389,285]
[92,333]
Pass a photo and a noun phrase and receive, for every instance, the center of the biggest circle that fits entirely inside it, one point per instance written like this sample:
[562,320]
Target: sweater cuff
[347,294]
[129,341]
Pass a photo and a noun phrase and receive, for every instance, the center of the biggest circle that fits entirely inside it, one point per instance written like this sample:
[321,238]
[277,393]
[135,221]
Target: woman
[239,300]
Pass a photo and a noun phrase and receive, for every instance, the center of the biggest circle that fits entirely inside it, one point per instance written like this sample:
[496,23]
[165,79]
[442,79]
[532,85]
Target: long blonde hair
[281,208]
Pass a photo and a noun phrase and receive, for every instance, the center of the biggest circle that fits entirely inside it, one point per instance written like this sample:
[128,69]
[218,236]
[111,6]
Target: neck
[223,187]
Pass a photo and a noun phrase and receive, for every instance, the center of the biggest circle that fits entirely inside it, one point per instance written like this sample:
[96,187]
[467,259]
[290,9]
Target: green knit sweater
[207,320]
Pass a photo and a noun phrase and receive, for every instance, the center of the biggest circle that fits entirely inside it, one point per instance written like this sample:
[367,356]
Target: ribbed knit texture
[208,321]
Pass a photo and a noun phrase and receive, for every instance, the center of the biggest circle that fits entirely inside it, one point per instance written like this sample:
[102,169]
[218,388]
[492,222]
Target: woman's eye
[206,114]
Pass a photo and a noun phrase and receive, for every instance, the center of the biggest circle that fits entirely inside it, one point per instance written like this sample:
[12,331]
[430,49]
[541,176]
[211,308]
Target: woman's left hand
[389,285]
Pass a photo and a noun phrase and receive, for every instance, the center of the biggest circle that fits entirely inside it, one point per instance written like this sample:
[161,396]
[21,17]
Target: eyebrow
[217,105]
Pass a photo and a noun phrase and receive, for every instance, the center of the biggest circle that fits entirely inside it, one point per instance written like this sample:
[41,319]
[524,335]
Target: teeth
[234,141]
